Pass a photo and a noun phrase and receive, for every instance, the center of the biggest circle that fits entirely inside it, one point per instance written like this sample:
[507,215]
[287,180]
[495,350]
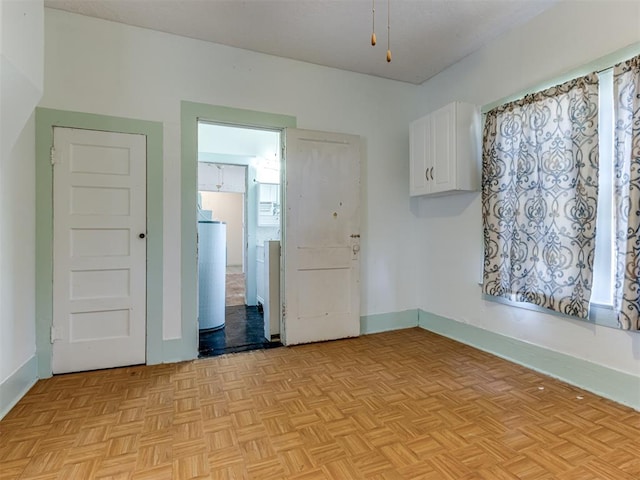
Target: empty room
[318,239]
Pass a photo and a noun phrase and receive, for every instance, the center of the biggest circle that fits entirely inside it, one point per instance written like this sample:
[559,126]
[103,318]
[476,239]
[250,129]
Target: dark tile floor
[243,331]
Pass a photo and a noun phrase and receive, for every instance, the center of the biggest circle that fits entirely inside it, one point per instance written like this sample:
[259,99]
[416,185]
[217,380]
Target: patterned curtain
[626,85]
[539,197]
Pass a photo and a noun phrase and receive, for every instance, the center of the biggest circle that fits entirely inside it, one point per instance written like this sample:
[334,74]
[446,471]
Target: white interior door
[99,250]
[322,237]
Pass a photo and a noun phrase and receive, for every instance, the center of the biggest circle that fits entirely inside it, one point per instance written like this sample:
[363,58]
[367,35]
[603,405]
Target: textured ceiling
[427,36]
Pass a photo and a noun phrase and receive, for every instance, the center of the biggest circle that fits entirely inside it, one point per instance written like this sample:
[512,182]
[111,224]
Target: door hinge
[56,334]
[284,311]
[52,155]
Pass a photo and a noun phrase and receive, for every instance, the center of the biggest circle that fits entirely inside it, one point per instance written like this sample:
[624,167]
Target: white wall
[449,229]
[17,257]
[101,67]
[21,66]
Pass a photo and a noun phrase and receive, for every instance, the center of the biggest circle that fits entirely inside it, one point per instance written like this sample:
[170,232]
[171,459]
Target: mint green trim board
[617,386]
[17,385]
[385,322]
[190,114]
[46,119]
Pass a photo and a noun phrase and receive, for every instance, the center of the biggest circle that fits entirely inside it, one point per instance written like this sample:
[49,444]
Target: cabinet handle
[431,173]
[426,174]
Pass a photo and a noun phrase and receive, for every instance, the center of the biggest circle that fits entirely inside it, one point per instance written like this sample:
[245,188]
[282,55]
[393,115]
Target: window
[602,293]
[539,197]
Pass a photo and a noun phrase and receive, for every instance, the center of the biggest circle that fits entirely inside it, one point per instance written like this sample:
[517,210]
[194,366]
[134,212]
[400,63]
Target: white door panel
[322,237]
[99,278]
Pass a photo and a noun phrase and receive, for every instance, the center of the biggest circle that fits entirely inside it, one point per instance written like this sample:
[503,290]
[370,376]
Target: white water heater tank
[212,265]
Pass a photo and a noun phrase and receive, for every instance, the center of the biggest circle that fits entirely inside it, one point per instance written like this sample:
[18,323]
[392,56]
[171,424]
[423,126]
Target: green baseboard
[384,322]
[618,386]
[17,385]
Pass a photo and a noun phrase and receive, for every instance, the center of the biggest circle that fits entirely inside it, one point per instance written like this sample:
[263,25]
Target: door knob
[141,235]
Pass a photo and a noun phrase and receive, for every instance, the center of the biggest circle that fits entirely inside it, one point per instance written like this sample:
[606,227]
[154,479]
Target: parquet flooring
[407,404]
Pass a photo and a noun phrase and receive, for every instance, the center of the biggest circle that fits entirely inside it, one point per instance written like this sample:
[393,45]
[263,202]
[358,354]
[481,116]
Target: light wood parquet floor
[400,405]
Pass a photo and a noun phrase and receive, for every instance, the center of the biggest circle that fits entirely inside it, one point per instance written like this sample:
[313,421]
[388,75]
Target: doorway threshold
[243,331]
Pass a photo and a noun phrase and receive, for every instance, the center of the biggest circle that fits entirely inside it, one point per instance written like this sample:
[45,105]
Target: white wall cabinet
[445,151]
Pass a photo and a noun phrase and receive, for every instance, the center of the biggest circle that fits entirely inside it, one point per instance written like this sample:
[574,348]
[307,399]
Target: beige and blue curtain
[626,85]
[539,197]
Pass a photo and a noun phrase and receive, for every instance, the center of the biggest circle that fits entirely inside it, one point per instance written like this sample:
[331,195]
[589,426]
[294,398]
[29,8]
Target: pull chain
[373,27]
[388,30]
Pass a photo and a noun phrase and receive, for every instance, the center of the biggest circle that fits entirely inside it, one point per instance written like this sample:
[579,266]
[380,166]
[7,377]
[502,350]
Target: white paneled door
[99,250]
[322,237]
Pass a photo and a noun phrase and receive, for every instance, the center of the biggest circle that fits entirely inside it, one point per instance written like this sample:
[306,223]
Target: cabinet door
[443,154]
[420,157]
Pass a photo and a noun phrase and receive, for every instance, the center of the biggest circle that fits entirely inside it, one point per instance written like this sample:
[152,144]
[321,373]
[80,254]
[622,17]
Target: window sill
[599,314]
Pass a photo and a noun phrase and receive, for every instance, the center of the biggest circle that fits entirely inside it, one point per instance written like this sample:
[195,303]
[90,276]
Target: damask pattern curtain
[626,85]
[539,197]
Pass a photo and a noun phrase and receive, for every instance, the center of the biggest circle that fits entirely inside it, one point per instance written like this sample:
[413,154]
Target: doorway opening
[239,223]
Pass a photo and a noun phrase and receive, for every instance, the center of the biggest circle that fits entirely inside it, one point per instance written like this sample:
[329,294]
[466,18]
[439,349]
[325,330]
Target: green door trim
[190,114]
[156,350]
